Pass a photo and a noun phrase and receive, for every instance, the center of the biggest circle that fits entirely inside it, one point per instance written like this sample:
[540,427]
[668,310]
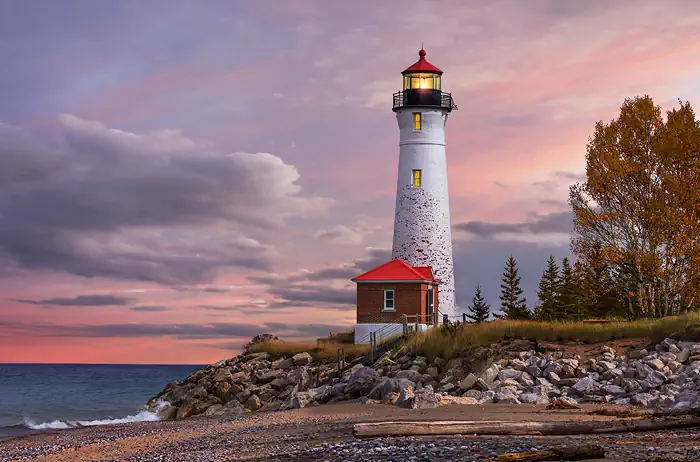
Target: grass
[446,341]
[323,352]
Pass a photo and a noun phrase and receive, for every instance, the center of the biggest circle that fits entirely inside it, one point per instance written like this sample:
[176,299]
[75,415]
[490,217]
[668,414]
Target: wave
[145,415]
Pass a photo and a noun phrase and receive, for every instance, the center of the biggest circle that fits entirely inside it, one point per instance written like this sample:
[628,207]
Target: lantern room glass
[416,81]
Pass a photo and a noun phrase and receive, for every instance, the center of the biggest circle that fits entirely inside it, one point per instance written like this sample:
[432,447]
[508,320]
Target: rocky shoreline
[664,376]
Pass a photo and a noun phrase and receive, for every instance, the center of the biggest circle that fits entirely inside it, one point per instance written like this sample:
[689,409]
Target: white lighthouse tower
[422,235]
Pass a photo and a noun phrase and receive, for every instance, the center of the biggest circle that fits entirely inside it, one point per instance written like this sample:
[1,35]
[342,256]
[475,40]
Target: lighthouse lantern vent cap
[422,66]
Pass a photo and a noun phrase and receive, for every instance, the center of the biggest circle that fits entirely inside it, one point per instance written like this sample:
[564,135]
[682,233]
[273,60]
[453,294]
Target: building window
[417,121]
[388,300]
[417,178]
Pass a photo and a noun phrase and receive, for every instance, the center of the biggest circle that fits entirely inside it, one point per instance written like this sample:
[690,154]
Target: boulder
[302,359]
[268,376]
[222,375]
[425,398]
[586,386]
[468,382]
[362,382]
[253,403]
[533,398]
[284,363]
[405,398]
[413,376]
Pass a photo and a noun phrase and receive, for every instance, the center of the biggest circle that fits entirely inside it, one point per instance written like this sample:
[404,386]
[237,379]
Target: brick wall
[409,299]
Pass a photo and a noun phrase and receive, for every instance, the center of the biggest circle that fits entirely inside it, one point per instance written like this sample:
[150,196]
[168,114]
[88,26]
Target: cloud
[328,287]
[535,225]
[95,201]
[570,175]
[150,308]
[83,300]
[187,331]
[339,234]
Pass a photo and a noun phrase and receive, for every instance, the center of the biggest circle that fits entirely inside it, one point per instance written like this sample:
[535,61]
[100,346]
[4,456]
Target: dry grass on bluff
[323,352]
[448,341]
[456,340]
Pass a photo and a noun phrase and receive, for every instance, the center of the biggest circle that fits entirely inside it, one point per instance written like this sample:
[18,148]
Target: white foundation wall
[362,331]
[422,234]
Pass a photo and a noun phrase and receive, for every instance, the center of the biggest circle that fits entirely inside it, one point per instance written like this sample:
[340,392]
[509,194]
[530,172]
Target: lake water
[36,397]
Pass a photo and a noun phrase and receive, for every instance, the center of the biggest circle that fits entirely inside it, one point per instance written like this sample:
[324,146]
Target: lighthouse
[422,235]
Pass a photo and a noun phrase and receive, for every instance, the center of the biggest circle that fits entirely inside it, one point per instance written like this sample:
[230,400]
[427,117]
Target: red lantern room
[422,87]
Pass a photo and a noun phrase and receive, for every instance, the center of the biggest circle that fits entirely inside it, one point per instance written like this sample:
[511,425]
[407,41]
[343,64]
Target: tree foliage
[479,310]
[513,303]
[549,308]
[638,212]
[260,338]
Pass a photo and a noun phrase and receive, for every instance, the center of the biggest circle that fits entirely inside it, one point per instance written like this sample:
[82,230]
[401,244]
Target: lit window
[437,82]
[417,178]
[388,299]
[417,121]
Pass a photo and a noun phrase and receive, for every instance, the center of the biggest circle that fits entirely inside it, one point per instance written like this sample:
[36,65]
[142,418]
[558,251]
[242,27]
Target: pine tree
[549,308]
[602,291]
[513,304]
[479,309]
[568,293]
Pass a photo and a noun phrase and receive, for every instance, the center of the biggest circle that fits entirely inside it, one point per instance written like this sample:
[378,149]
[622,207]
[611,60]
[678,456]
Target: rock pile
[666,377]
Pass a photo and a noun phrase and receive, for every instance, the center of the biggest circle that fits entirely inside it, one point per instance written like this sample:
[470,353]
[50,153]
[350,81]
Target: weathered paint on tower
[422,235]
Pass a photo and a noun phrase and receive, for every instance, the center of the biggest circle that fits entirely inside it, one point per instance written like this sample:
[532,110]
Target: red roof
[397,270]
[422,65]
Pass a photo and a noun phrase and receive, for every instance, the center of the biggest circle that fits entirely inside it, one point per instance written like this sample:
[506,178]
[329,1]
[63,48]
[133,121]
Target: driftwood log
[572,453]
[386,429]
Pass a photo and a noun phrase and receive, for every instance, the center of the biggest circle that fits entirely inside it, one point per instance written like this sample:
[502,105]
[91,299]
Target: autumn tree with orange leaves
[638,212]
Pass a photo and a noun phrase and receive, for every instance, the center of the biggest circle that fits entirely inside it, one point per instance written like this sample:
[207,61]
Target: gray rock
[506,396]
[683,356]
[642,399]
[413,376]
[302,399]
[406,397]
[490,374]
[253,403]
[222,375]
[655,363]
[268,376]
[425,398]
[386,386]
[468,382]
[505,374]
[534,371]
[586,386]
[476,394]
[613,390]
[302,359]
[285,363]
[533,398]
[362,381]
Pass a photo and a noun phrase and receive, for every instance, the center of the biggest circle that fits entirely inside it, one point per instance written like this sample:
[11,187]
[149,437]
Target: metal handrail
[446,100]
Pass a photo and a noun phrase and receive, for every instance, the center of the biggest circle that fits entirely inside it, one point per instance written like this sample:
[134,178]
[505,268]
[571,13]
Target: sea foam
[145,415]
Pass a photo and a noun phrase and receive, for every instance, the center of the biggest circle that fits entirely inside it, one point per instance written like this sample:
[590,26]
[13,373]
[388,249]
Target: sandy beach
[325,433]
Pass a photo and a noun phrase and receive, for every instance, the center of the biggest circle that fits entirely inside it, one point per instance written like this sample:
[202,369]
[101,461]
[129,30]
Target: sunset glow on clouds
[176,178]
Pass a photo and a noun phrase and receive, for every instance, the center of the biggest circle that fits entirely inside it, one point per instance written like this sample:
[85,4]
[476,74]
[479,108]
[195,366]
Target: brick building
[394,289]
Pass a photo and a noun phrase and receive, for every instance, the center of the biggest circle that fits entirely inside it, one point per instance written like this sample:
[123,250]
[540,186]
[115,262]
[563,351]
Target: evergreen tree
[513,304]
[601,290]
[568,293]
[479,309]
[549,308]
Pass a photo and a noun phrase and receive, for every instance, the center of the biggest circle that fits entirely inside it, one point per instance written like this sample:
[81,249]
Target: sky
[178,176]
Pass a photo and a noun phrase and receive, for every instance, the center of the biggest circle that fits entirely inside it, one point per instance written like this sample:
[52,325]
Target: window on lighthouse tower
[417,179]
[417,121]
